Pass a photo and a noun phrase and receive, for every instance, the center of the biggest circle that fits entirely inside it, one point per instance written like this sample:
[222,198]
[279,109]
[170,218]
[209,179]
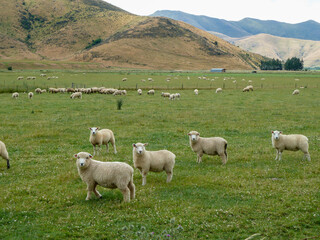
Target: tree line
[292,64]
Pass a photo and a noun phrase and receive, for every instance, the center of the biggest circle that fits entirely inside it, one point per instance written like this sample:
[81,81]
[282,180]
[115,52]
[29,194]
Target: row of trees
[293,64]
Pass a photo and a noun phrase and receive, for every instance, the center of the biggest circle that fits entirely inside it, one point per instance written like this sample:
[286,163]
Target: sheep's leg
[307,155]
[280,155]
[107,147]
[126,194]
[169,176]
[277,154]
[132,190]
[144,178]
[199,158]
[96,192]
[8,163]
[99,150]
[224,158]
[89,190]
[94,150]
[114,146]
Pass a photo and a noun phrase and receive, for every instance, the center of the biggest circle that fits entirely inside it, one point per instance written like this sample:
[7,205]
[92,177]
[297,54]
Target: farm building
[218,70]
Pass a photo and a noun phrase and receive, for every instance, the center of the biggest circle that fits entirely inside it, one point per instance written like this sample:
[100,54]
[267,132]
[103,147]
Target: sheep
[76,95]
[124,79]
[172,96]
[165,94]
[292,142]
[154,161]
[118,92]
[151,92]
[177,96]
[250,87]
[210,146]
[106,174]
[296,92]
[4,153]
[19,78]
[196,91]
[218,90]
[139,91]
[38,90]
[43,75]
[102,137]
[43,91]
[30,95]
[246,89]
[123,92]
[15,95]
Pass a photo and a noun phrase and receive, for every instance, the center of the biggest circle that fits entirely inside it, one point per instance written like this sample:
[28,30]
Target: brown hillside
[62,29]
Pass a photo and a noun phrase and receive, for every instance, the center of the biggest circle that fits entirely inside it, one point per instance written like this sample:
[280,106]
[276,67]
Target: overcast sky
[290,11]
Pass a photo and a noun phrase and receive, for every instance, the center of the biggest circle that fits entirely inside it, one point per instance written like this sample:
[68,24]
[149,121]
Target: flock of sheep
[120,175]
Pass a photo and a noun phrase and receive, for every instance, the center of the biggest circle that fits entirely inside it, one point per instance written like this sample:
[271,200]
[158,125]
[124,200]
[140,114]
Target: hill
[70,30]
[309,30]
[282,48]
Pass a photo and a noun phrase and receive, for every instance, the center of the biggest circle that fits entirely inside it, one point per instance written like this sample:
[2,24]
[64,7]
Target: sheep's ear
[134,145]
[198,134]
[90,128]
[271,131]
[76,155]
[280,132]
[146,144]
[97,128]
[189,134]
[90,156]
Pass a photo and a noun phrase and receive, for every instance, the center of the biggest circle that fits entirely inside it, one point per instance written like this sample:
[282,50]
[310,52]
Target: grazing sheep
[38,90]
[43,90]
[4,153]
[43,75]
[218,90]
[210,146]
[139,91]
[246,89]
[15,95]
[20,78]
[118,92]
[106,174]
[76,95]
[296,92]
[102,137]
[151,92]
[165,94]
[124,79]
[30,95]
[172,96]
[154,161]
[177,96]
[123,92]
[196,91]
[292,142]
[250,87]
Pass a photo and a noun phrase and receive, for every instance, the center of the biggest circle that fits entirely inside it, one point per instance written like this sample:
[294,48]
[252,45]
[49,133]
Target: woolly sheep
[43,91]
[246,89]
[292,142]
[250,87]
[177,96]
[15,95]
[139,91]
[296,92]
[124,79]
[151,92]
[37,90]
[218,90]
[76,95]
[19,78]
[102,137]
[172,96]
[196,91]
[154,161]
[106,174]
[4,153]
[30,95]
[43,75]
[165,94]
[210,146]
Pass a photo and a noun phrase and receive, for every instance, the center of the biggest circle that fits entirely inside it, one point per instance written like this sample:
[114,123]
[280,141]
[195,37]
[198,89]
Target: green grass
[42,195]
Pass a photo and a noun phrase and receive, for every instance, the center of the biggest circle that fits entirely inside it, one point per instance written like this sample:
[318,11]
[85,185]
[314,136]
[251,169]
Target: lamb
[151,92]
[154,161]
[139,91]
[296,92]
[106,174]
[102,137]
[196,91]
[30,95]
[292,142]
[210,146]
[4,153]
[76,95]
[218,90]
[15,95]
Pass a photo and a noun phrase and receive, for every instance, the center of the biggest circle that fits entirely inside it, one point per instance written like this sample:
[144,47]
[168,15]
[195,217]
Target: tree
[293,64]
[274,64]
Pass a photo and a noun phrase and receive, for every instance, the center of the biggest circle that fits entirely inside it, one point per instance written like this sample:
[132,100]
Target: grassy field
[42,195]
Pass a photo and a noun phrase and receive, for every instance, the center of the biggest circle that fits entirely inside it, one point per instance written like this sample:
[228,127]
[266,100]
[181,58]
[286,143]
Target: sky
[289,11]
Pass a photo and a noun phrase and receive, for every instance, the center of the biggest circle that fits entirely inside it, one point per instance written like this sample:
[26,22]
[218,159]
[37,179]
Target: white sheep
[76,95]
[19,78]
[250,87]
[210,146]
[177,96]
[102,137]
[139,91]
[106,174]
[292,142]
[4,153]
[246,89]
[15,95]
[43,90]
[196,91]
[30,95]
[172,96]
[124,79]
[151,92]
[38,90]
[154,161]
[296,92]
[218,90]
[165,94]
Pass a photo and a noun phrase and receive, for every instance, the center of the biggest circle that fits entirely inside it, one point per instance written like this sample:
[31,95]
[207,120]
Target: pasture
[42,195]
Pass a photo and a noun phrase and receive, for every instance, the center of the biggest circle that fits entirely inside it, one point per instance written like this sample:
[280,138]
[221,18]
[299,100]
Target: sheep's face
[276,134]
[194,136]
[94,130]
[139,147]
[83,159]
